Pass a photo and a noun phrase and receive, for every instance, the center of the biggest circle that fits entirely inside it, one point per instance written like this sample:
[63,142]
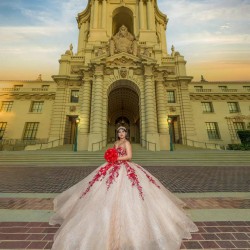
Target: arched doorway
[123,110]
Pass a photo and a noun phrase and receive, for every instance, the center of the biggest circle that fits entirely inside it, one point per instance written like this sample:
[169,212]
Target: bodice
[121,151]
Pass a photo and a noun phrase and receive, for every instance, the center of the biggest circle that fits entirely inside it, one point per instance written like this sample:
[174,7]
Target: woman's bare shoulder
[127,143]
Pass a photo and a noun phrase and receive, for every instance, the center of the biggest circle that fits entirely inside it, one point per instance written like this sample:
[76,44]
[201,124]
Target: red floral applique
[114,173]
[98,177]
[133,178]
[149,177]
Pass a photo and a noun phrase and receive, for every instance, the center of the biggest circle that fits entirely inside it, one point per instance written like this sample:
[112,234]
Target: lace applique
[133,178]
[121,151]
[98,177]
[151,179]
[113,174]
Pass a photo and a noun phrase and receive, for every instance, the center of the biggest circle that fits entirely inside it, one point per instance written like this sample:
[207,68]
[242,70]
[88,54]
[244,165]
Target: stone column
[150,109]
[92,14]
[95,14]
[96,109]
[104,13]
[149,14]
[162,115]
[83,135]
[163,37]
[141,14]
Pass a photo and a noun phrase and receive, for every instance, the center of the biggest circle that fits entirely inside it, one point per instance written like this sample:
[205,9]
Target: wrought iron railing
[148,143]
[99,143]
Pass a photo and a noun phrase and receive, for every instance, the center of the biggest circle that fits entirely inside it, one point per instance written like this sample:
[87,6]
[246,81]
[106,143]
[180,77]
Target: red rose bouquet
[111,155]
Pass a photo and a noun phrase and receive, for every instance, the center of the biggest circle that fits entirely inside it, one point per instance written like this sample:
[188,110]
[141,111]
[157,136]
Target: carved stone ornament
[109,72]
[172,109]
[123,72]
[123,41]
[72,108]
[123,61]
[75,69]
[138,71]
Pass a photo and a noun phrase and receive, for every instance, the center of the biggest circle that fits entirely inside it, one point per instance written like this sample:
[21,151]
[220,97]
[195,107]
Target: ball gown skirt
[119,206]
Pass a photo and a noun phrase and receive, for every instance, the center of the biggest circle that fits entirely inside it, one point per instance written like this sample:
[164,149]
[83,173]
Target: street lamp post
[170,133]
[77,120]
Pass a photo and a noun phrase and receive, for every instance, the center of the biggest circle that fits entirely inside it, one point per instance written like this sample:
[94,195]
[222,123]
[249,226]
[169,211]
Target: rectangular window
[30,130]
[171,96]
[18,86]
[233,107]
[247,88]
[238,126]
[2,129]
[45,86]
[207,107]
[74,96]
[7,106]
[36,107]
[212,130]
[223,87]
[198,87]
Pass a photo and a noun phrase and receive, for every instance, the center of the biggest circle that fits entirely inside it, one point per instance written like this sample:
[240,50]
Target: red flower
[111,155]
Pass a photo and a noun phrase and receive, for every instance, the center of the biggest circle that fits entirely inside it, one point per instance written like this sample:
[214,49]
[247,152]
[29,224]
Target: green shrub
[244,136]
[238,147]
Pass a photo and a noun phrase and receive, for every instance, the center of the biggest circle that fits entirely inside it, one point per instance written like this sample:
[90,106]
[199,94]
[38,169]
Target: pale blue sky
[213,35]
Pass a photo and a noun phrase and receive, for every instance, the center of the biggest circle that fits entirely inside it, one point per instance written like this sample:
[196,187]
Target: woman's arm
[127,157]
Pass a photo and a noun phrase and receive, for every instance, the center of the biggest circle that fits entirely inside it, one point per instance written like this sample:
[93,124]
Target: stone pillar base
[93,138]
[83,142]
[164,141]
[154,138]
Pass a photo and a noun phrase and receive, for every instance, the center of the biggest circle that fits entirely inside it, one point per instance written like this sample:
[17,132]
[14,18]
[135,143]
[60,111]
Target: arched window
[122,16]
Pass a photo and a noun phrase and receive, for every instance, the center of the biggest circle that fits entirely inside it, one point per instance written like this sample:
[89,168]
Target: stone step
[144,157]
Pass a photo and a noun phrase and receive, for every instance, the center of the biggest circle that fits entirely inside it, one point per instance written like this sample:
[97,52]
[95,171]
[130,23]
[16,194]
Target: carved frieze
[123,61]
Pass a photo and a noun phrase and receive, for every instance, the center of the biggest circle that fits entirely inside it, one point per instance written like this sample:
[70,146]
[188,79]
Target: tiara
[121,127]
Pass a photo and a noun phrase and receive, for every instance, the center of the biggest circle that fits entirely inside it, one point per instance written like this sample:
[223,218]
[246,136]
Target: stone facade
[122,73]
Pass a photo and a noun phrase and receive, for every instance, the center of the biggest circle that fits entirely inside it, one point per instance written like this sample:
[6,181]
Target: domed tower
[121,74]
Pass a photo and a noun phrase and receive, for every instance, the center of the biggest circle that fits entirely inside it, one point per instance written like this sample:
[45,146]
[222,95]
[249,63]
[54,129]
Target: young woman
[120,206]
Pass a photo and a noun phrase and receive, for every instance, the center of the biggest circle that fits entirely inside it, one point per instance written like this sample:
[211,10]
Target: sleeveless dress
[119,206]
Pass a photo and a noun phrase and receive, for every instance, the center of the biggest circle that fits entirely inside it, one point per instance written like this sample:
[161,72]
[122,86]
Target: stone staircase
[184,157]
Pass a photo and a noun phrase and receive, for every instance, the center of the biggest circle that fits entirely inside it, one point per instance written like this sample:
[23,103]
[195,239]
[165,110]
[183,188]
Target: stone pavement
[217,199]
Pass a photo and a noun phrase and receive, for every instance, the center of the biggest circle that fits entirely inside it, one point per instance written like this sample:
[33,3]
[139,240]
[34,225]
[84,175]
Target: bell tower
[121,70]
[102,19]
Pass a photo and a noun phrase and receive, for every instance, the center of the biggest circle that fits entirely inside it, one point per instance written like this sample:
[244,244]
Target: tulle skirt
[122,216]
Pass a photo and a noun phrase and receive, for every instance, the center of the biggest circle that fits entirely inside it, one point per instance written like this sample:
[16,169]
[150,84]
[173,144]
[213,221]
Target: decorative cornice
[229,97]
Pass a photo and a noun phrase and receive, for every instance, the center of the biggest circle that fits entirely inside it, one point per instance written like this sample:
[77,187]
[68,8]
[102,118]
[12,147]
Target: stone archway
[124,110]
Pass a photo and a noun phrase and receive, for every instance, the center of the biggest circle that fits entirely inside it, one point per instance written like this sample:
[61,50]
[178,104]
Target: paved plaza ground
[217,199]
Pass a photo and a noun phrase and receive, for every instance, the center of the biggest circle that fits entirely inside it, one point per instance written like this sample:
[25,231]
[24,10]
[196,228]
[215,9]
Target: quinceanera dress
[119,206]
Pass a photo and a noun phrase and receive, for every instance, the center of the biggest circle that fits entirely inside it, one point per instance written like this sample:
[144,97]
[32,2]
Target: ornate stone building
[122,74]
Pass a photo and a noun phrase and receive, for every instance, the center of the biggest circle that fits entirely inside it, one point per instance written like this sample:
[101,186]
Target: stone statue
[70,50]
[123,41]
